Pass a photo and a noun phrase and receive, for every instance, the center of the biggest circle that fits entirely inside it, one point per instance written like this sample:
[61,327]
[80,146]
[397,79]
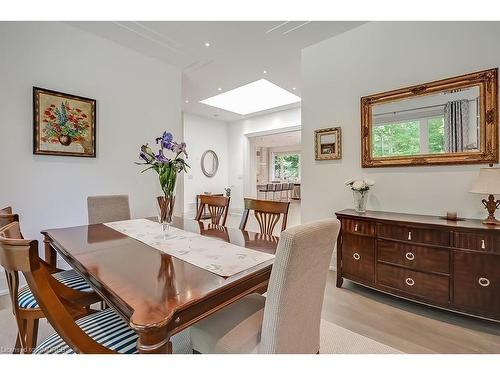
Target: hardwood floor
[404,325]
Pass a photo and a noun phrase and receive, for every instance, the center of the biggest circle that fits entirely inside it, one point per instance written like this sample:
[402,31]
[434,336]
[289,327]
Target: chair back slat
[292,313]
[218,207]
[7,217]
[267,214]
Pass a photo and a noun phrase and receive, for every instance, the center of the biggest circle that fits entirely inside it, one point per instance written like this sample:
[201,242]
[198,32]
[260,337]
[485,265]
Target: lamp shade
[488,182]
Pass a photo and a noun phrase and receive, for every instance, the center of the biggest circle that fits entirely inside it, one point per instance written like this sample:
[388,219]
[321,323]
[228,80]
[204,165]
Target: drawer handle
[356,256]
[483,281]
[409,281]
[356,228]
[409,236]
[483,244]
[409,256]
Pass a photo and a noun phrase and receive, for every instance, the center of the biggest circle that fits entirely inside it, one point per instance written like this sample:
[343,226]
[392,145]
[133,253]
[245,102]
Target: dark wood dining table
[157,294]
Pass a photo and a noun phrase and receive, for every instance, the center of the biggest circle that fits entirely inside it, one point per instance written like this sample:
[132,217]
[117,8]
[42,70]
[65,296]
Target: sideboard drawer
[476,282]
[433,288]
[358,257]
[421,258]
[417,235]
[476,241]
[358,227]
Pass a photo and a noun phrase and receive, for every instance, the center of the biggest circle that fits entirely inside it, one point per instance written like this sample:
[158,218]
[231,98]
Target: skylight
[253,97]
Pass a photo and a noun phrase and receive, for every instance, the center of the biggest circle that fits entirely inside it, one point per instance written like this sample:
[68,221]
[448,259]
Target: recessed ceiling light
[186,101]
[207,44]
[294,88]
[253,97]
[220,89]
[265,72]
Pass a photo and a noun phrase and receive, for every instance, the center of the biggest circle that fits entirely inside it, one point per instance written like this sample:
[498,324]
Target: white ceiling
[292,138]
[239,52]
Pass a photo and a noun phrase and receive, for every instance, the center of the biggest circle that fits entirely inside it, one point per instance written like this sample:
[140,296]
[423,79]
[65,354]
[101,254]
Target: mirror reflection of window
[445,122]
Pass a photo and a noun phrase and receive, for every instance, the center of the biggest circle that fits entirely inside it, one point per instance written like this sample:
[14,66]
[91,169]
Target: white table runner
[219,257]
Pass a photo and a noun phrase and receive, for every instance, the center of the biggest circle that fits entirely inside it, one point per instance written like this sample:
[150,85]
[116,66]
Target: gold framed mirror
[451,121]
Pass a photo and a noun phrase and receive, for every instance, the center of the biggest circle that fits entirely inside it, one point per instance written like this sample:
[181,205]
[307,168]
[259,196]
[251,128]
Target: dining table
[158,294]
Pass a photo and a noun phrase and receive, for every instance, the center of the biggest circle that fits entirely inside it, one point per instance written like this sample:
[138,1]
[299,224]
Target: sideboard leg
[340,281]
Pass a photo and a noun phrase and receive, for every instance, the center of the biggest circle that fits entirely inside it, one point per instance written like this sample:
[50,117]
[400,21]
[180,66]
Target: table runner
[219,257]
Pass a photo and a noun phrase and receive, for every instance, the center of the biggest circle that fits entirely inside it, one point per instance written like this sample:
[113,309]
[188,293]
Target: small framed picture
[328,144]
[63,124]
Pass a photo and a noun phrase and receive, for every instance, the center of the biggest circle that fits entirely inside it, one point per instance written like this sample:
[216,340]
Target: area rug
[334,339]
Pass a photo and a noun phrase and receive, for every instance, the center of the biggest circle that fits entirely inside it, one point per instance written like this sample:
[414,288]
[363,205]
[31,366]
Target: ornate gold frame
[317,146]
[487,80]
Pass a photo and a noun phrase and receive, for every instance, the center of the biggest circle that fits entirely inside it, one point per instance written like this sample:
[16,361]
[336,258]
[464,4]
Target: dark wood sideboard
[453,265]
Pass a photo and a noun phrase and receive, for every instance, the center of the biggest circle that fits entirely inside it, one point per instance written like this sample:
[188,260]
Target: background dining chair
[101,332]
[6,216]
[218,207]
[25,307]
[288,320]
[107,208]
[267,214]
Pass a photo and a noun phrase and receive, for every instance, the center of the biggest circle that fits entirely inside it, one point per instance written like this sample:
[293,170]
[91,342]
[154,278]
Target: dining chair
[267,214]
[7,217]
[96,333]
[288,319]
[218,207]
[107,208]
[25,306]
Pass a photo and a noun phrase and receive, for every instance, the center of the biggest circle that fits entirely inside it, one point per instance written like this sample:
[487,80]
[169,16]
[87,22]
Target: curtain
[456,125]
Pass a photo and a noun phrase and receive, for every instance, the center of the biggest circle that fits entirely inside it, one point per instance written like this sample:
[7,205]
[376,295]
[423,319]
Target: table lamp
[488,183]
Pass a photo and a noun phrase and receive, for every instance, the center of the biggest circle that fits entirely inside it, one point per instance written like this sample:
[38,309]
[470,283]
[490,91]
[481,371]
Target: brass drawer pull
[410,256]
[409,236]
[356,256]
[483,281]
[483,244]
[356,228]
[409,281]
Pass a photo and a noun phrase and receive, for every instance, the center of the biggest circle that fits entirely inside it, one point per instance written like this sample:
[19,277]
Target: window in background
[286,166]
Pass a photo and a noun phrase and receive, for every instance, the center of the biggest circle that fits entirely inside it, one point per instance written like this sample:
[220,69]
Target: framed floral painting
[63,124]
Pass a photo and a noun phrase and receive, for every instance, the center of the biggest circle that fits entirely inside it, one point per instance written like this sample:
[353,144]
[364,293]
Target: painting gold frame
[486,80]
[334,151]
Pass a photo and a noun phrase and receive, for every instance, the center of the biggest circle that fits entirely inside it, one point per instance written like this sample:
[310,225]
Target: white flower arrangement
[360,185]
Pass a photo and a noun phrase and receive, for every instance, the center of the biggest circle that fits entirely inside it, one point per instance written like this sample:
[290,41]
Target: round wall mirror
[209,163]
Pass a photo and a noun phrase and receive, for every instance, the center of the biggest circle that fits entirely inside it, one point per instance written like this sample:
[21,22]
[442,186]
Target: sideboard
[454,265]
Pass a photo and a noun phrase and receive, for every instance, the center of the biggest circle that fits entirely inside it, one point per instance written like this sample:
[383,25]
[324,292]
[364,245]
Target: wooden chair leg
[17,347]
[31,334]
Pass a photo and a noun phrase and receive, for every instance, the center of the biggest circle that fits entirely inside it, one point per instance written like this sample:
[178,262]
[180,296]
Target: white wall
[239,162]
[137,98]
[203,134]
[373,58]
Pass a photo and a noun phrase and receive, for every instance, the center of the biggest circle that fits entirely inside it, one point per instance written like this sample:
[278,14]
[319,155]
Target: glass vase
[360,198]
[165,211]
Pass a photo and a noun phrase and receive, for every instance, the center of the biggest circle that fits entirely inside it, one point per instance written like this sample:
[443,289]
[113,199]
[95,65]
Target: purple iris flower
[165,140]
[162,158]
[179,148]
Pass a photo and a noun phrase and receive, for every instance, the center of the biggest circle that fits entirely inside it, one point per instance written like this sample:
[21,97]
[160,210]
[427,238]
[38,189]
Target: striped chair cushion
[106,327]
[69,278]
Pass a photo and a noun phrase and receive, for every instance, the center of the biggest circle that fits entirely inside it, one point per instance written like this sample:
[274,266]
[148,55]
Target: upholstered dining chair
[7,217]
[107,208]
[288,320]
[96,332]
[218,207]
[25,306]
[267,214]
